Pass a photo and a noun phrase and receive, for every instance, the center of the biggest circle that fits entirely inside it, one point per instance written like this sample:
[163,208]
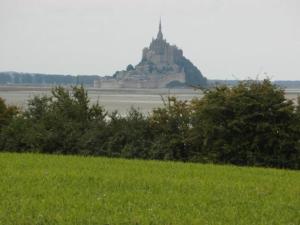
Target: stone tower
[160,51]
[160,34]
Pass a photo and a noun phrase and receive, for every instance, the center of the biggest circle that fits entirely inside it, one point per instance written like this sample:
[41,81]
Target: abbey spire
[160,35]
[162,65]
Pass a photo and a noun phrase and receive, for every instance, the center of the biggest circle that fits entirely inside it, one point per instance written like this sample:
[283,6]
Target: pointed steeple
[160,24]
[160,35]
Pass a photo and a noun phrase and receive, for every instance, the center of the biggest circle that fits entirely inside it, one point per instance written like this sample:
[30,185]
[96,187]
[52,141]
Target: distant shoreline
[115,99]
[120,90]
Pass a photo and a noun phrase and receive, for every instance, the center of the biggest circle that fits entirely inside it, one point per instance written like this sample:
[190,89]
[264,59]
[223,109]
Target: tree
[170,126]
[193,75]
[129,136]
[129,67]
[249,124]
[57,124]
[6,113]
[298,105]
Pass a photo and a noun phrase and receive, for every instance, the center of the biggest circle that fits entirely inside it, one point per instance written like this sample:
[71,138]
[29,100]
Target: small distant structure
[162,65]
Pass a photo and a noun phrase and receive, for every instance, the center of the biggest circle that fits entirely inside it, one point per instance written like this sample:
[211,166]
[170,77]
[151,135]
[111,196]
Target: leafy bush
[249,124]
[130,136]
[6,113]
[55,124]
[170,126]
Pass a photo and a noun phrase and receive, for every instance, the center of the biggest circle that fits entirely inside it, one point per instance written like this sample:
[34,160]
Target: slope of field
[45,189]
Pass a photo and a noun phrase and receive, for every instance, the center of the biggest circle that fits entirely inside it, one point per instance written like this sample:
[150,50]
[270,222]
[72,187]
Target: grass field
[43,189]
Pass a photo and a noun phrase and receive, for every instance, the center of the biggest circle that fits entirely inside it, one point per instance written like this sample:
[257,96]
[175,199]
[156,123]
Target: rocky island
[162,65]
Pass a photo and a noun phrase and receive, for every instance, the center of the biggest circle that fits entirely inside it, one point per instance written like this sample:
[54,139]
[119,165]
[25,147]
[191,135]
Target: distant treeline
[251,124]
[16,78]
[282,83]
[7,78]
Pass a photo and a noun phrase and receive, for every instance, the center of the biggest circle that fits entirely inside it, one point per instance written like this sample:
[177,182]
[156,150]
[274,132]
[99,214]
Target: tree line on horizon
[194,79]
[250,124]
[15,78]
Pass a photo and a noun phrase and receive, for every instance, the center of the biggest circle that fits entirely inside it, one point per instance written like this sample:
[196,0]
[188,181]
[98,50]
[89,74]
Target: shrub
[6,113]
[249,124]
[170,126]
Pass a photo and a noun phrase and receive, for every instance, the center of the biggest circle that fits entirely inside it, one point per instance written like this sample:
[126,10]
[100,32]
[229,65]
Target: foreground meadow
[49,189]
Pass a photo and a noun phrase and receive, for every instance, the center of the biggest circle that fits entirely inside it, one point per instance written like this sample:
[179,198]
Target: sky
[225,39]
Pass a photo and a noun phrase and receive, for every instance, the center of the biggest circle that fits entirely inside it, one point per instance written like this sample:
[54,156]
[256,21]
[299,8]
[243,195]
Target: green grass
[47,189]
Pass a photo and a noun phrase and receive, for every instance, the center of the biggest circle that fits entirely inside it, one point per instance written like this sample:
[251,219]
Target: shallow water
[111,99]
[115,99]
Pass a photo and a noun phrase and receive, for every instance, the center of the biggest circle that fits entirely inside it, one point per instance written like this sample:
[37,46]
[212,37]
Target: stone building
[162,65]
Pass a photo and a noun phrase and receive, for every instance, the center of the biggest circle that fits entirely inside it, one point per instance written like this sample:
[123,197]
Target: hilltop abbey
[162,65]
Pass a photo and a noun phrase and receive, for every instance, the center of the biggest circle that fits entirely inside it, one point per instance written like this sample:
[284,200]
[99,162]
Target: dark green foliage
[175,84]
[55,124]
[130,136]
[19,136]
[170,126]
[6,113]
[7,116]
[129,67]
[249,124]
[297,128]
[298,105]
[193,75]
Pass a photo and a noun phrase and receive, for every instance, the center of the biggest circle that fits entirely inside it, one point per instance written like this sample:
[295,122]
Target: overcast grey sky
[225,39]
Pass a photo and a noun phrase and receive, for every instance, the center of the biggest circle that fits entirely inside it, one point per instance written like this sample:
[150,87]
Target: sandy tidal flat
[115,99]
